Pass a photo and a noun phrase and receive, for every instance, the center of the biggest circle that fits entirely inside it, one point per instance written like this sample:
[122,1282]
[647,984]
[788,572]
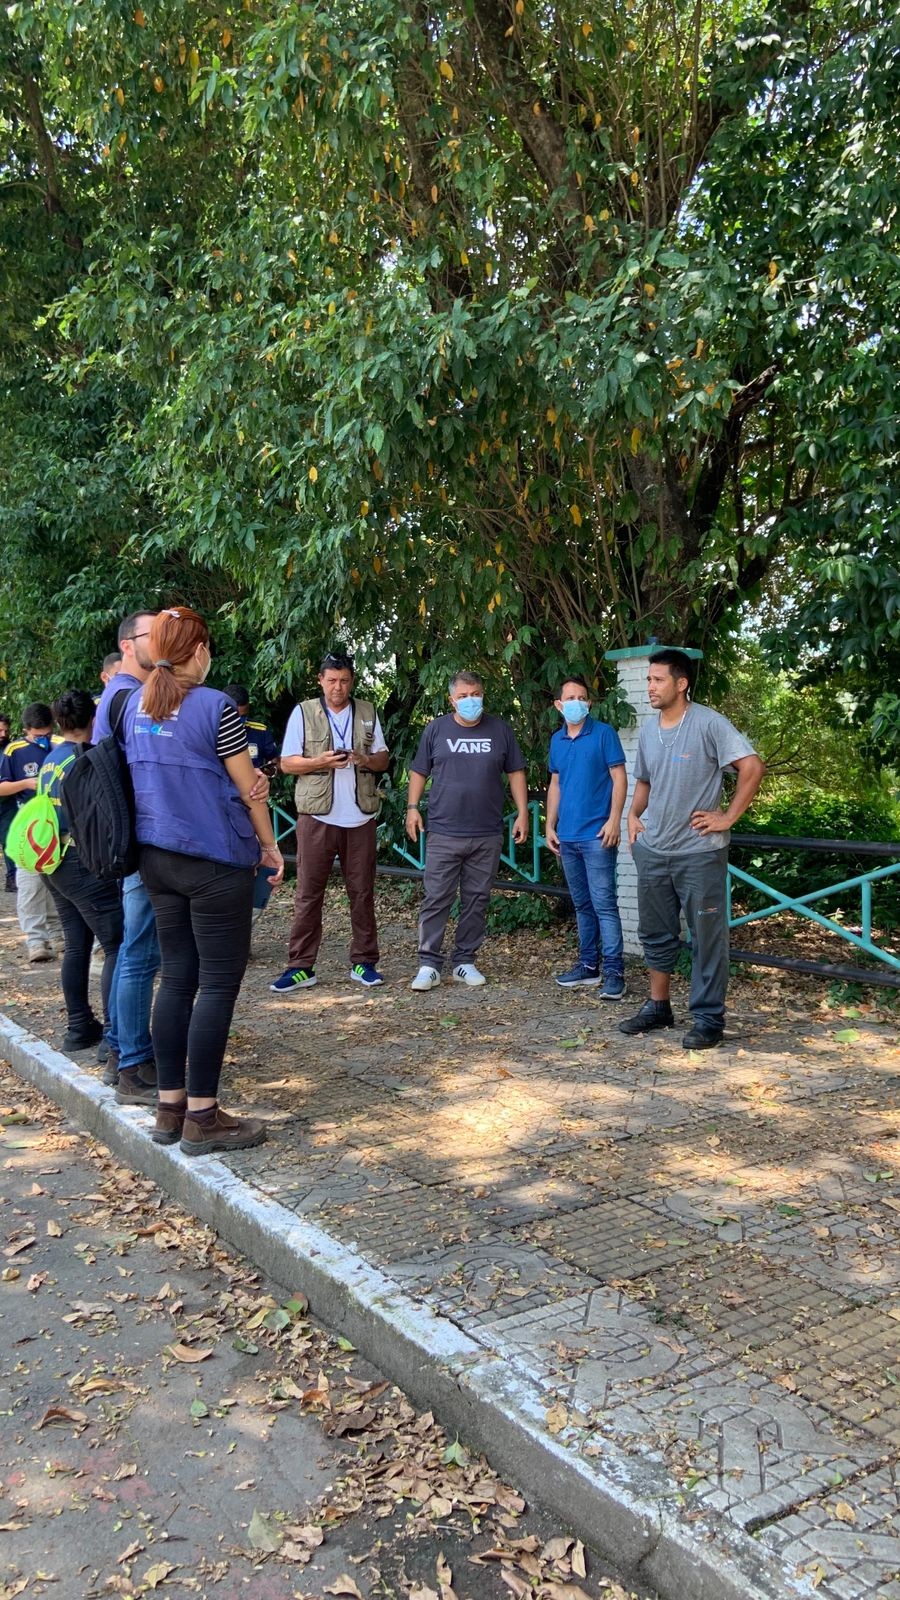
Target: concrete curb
[619,1507]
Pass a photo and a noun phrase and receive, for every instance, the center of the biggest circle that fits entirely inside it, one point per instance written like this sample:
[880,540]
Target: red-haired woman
[200,838]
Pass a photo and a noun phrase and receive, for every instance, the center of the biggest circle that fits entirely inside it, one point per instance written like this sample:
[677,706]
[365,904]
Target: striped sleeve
[232,738]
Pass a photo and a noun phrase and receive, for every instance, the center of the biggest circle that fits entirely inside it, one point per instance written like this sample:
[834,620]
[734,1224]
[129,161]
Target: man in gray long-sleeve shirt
[679,839]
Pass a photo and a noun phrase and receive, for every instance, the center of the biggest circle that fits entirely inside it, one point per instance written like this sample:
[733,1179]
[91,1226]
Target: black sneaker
[85,1040]
[698,1038]
[653,1014]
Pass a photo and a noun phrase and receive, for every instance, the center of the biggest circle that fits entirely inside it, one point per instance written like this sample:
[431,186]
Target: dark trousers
[203,916]
[456,866]
[317,845]
[88,910]
[693,882]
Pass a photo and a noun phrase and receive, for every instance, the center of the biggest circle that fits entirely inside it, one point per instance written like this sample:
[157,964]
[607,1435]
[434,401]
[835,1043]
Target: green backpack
[33,838]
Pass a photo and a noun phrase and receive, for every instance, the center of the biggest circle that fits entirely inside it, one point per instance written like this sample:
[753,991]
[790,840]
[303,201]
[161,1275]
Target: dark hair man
[679,836]
[465,753]
[130,1066]
[19,767]
[110,666]
[334,747]
[585,800]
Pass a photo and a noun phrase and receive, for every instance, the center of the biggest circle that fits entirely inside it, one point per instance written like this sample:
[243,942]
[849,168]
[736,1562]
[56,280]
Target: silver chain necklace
[668,744]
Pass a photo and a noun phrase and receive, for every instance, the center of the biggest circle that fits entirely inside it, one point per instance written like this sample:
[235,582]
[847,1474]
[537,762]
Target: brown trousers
[317,845]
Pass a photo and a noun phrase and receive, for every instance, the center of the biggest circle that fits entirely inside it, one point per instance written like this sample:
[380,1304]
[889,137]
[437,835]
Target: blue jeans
[132,985]
[262,889]
[590,870]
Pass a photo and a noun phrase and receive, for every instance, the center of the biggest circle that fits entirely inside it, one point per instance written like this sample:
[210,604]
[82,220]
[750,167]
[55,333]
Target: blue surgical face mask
[575,710]
[470,706]
[42,740]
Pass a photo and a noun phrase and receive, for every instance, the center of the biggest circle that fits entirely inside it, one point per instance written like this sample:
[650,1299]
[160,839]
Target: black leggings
[88,909]
[204,912]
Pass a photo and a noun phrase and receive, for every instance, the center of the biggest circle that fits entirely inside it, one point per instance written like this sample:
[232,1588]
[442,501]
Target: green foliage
[805,733]
[478,333]
[511,913]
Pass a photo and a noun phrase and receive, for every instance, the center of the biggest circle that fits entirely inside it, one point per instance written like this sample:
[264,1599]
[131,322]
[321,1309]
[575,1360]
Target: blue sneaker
[366,974]
[294,978]
[579,977]
[613,987]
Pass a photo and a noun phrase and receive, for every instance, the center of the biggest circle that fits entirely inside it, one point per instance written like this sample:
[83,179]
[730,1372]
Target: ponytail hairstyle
[74,711]
[174,636]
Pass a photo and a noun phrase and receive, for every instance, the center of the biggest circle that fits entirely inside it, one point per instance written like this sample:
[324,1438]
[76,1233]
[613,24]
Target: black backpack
[98,798]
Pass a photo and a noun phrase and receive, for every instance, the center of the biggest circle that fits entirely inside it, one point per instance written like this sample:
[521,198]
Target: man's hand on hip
[707,822]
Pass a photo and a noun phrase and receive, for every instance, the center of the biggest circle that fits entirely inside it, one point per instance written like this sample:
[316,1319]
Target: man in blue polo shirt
[585,800]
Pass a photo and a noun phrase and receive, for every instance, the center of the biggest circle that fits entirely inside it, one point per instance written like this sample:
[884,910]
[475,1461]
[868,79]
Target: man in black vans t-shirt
[465,754]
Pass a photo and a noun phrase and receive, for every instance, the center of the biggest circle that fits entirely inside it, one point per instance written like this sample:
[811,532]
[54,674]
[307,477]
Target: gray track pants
[469,866]
[695,884]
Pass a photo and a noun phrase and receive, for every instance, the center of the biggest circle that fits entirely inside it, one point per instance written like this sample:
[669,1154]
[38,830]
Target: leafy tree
[485,329]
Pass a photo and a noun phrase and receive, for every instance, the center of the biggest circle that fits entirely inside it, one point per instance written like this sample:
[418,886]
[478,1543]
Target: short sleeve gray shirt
[685,771]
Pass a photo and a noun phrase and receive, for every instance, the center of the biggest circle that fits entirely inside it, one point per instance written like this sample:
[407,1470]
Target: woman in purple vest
[200,839]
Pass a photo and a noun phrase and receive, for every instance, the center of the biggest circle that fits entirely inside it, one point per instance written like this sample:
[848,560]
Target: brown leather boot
[132,1090]
[169,1122]
[220,1132]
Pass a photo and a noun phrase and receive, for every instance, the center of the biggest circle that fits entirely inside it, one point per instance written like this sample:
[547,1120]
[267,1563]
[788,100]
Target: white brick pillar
[631,671]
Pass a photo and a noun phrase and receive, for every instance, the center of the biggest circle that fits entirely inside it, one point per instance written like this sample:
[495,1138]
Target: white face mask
[205,673]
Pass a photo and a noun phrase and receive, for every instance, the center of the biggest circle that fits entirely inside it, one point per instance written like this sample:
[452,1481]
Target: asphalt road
[172,1424]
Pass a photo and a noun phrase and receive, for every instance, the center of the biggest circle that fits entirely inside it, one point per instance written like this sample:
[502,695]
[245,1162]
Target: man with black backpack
[130,1066]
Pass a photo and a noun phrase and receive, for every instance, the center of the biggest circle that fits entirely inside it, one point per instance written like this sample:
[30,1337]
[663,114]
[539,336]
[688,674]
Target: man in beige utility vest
[335,749]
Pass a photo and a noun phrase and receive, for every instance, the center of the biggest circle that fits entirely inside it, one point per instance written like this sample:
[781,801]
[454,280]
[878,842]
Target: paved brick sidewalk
[694,1255]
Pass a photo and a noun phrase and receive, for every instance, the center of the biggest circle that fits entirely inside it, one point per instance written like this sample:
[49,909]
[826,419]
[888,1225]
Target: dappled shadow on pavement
[694,1254]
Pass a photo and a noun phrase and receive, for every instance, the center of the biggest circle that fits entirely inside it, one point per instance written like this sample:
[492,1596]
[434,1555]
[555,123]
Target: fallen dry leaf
[16,1249]
[157,1574]
[566,1591]
[262,1535]
[556,1417]
[133,1549]
[60,1414]
[53,1228]
[345,1585]
[187,1352]
[844,1512]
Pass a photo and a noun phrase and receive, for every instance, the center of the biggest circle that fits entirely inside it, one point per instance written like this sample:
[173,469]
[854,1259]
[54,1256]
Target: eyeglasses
[133,636]
[337,663]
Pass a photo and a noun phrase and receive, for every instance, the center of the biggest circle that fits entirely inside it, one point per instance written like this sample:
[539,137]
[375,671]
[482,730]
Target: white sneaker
[426,978]
[468,973]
